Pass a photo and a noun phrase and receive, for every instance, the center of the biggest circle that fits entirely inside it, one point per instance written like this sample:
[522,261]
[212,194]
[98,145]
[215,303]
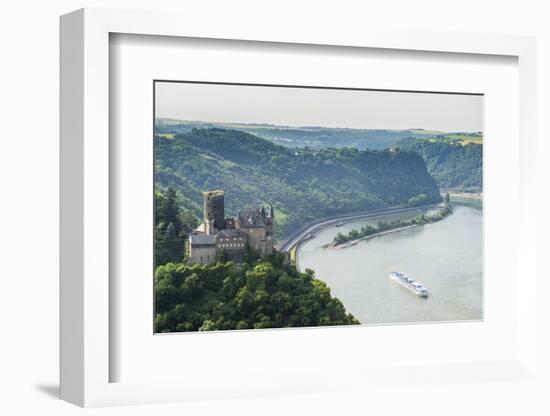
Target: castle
[219,236]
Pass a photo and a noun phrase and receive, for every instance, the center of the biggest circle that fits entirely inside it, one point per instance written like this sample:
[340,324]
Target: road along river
[446,257]
[306,231]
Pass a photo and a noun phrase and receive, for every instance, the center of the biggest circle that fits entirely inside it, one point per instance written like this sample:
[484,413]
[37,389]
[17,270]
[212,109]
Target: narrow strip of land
[311,228]
[368,237]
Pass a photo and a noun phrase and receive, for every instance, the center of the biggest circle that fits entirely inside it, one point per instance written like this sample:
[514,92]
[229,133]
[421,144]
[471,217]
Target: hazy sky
[315,107]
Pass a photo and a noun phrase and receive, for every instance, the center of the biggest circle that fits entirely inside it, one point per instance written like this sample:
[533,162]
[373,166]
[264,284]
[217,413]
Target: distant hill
[456,164]
[314,137]
[302,183]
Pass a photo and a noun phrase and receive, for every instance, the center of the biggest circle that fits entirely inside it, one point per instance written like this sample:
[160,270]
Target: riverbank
[366,232]
[368,237]
[309,230]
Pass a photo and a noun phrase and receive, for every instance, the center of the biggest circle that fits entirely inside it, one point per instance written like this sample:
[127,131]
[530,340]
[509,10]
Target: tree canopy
[172,226]
[269,293]
[454,165]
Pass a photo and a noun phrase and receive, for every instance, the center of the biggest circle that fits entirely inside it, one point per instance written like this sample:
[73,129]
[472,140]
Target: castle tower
[214,209]
[209,227]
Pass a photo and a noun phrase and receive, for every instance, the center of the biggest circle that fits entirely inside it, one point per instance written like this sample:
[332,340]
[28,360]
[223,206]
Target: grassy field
[167,135]
[461,138]
[427,132]
[466,138]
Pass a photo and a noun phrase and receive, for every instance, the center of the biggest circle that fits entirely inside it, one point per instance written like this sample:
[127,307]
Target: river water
[446,257]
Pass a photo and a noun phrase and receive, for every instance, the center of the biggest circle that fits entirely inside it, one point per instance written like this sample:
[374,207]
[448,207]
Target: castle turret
[214,209]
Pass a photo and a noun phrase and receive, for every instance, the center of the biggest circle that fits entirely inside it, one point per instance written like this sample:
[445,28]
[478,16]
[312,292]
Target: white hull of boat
[410,284]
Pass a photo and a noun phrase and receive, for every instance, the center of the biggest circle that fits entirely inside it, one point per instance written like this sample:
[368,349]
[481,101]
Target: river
[446,257]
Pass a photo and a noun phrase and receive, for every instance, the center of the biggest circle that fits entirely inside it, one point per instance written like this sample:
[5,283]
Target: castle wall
[230,223]
[199,254]
[259,241]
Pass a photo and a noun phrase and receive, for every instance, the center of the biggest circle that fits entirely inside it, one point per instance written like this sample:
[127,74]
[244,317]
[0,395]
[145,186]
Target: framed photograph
[270,200]
[267,213]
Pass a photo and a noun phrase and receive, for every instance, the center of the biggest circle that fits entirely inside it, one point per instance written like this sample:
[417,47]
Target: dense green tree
[167,209]
[170,233]
[172,226]
[453,164]
[340,238]
[420,199]
[266,294]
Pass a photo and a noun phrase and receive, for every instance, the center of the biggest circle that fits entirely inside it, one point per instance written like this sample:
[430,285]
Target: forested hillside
[301,183]
[455,165]
[250,295]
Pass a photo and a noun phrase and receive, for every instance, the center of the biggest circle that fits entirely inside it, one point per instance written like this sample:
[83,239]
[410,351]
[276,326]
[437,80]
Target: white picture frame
[85,206]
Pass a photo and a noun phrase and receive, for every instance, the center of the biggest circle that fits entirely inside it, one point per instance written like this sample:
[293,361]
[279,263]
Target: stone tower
[214,210]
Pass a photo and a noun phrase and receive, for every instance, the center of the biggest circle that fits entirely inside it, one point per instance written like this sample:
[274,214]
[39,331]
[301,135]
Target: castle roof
[201,228]
[202,239]
[252,218]
[231,233]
